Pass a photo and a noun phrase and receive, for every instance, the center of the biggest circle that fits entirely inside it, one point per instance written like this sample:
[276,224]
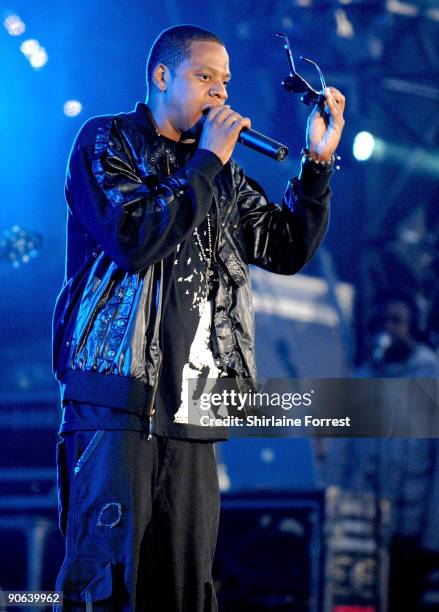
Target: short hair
[172,46]
[403,296]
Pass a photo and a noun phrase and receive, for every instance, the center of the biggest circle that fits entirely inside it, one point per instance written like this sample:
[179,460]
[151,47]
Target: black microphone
[261,143]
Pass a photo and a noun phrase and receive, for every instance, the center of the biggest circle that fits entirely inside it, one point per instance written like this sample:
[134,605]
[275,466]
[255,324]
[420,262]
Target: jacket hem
[106,390]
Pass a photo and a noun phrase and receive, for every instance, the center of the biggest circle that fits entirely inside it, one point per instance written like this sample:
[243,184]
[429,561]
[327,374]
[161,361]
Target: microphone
[261,143]
[382,342]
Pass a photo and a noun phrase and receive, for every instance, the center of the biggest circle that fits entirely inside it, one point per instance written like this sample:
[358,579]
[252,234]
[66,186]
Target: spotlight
[35,53]
[29,46]
[38,59]
[363,146]
[345,29]
[14,25]
[72,108]
[415,159]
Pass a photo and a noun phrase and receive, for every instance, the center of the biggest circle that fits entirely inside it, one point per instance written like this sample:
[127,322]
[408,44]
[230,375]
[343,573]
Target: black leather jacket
[128,209]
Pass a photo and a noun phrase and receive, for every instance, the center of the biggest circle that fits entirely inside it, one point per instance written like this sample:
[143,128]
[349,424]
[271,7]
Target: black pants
[141,520]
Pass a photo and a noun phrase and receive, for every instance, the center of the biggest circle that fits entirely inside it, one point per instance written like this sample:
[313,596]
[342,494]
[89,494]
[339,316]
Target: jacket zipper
[154,390]
[88,451]
[151,410]
[218,221]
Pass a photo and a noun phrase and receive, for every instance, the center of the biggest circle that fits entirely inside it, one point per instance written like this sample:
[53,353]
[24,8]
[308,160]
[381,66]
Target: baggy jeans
[140,517]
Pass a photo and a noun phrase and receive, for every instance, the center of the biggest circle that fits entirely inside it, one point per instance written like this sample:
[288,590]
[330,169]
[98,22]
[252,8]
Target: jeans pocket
[86,454]
[87,580]
[62,485]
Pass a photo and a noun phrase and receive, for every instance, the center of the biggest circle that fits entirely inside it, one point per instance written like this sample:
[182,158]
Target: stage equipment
[356,572]
[29,536]
[268,556]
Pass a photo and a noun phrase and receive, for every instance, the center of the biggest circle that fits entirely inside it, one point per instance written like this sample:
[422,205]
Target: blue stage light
[364,144]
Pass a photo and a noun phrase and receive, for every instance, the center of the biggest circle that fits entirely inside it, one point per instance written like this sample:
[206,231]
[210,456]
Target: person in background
[404,471]
[397,350]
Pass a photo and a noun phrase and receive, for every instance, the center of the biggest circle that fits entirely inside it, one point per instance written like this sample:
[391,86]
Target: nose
[219,91]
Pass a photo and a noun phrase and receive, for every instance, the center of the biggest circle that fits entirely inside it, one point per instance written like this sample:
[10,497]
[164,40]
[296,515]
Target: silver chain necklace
[206,254]
[207,257]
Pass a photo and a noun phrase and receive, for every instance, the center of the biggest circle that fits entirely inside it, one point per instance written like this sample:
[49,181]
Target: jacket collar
[158,145]
[145,118]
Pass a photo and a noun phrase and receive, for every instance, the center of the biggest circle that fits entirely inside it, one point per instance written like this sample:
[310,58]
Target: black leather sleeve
[135,218]
[283,238]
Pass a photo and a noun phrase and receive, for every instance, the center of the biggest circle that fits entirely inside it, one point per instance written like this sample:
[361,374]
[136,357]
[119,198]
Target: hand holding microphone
[223,128]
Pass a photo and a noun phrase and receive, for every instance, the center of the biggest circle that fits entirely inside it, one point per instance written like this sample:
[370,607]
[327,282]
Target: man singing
[162,225]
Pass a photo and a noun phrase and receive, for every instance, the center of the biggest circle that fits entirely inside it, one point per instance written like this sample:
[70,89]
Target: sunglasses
[295,83]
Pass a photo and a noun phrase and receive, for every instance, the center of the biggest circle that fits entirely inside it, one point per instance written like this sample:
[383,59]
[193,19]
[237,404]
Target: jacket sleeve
[283,238]
[136,218]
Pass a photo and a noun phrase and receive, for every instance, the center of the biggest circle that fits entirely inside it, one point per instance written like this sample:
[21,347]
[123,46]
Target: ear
[161,76]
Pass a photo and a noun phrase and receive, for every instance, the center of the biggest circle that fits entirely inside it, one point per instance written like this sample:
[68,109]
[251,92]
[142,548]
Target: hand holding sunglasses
[295,83]
[324,128]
